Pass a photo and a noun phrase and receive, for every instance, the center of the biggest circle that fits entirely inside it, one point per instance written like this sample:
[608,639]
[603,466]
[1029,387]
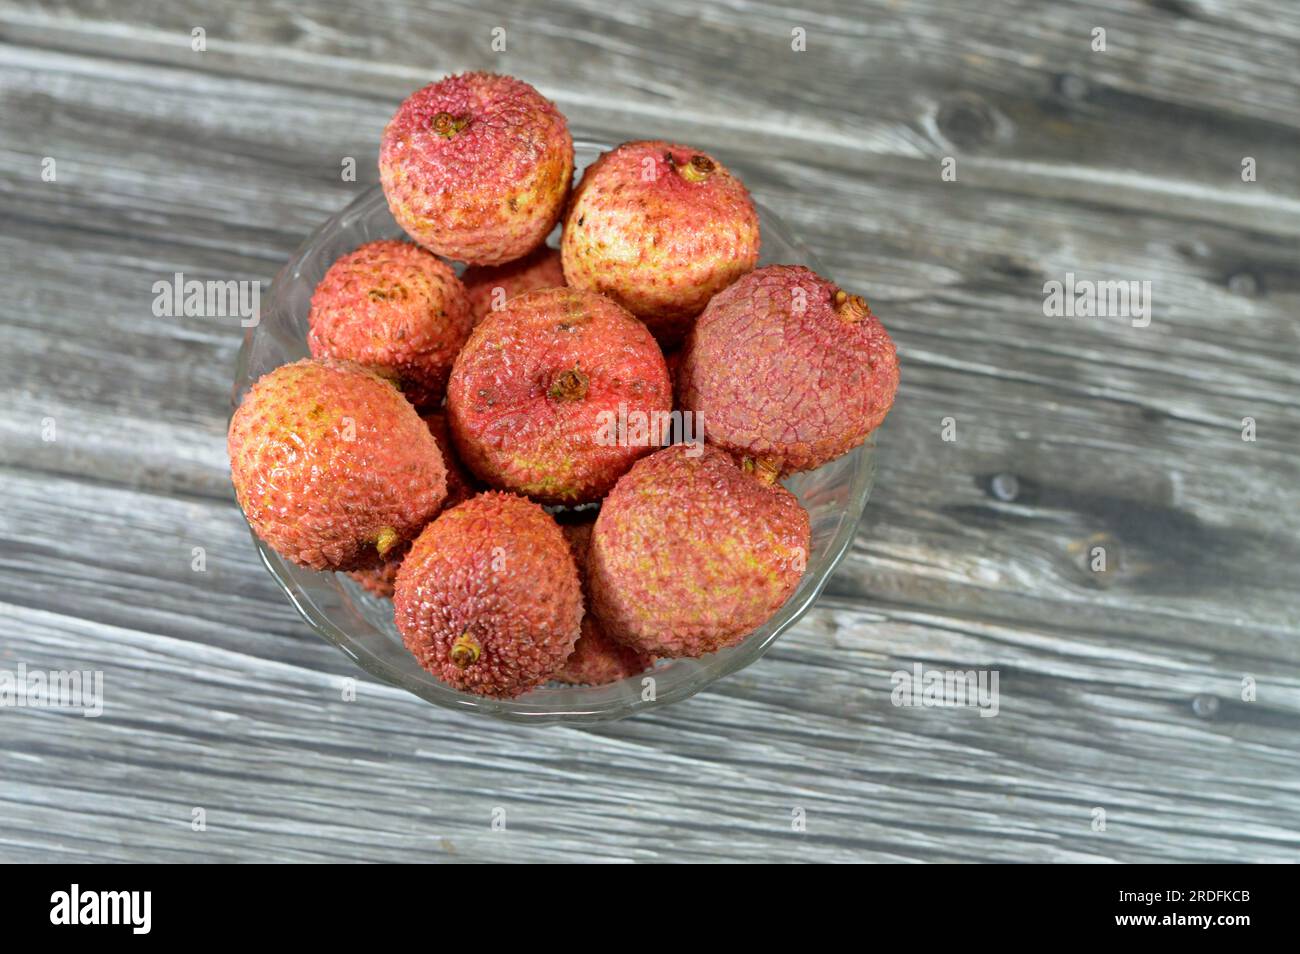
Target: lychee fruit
[381,579]
[476,167]
[488,599]
[691,553]
[394,307]
[491,286]
[596,659]
[460,487]
[788,369]
[332,466]
[673,361]
[660,228]
[556,395]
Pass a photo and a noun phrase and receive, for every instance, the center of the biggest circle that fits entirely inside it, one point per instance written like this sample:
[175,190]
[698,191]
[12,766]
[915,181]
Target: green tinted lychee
[332,466]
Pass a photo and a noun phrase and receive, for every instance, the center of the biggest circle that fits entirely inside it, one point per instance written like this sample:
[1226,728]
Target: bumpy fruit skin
[538,269]
[596,659]
[460,487]
[673,361]
[396,308]
[534,399]
[476,167]
[661,229]
[692,554]
[332,466]
[381,579]
[488,599]
[787,369]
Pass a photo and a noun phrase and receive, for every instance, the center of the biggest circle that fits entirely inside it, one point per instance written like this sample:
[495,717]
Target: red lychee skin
[786,368]
[490,287]
[535,395]
[692,554]
[381,579]
[488,599]
[639,230]
[476,167]
[396,308]
[460,487]
[673,361]
[596,659]
[332,466]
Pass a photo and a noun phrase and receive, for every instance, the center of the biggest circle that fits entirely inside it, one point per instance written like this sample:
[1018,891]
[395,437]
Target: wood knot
[968,121]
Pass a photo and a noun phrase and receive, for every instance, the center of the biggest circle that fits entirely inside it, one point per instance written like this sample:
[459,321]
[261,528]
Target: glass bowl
[361,625]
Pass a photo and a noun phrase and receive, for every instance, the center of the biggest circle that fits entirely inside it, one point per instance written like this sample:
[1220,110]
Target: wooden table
[1122,732]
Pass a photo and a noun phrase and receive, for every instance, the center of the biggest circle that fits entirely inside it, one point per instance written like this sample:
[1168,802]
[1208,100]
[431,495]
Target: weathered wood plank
[941,298]
[261,731]
[1014,88]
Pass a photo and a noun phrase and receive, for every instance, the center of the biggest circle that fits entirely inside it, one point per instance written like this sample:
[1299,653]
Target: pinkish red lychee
[491,286]
[660,228]
[477,167]
[691,553]
[396,308]
[788,369]
[537,395]
[460,487]
[332,466]
[596,659]
[488,599]
[673,361]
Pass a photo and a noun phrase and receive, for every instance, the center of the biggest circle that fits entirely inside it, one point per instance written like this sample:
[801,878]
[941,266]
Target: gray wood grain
[1123,164]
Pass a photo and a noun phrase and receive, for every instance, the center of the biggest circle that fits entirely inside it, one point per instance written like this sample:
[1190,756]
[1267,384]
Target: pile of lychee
[487,447]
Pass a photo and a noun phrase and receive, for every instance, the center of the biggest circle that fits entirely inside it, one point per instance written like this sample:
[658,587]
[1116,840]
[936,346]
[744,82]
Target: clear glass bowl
[361,625]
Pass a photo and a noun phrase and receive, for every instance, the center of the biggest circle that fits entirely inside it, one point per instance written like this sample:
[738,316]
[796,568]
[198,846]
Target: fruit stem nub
[386,540]
[764,469]
[851,307]
[698,169]
[447,125]
[465,650]
[570,385]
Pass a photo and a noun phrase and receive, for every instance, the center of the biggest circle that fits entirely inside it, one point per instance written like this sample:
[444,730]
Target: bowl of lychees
[553,429]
